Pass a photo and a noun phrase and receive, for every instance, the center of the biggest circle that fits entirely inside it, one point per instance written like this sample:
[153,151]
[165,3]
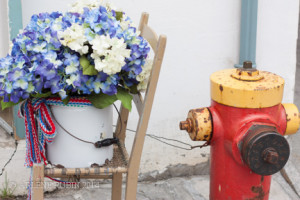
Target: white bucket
[87,123]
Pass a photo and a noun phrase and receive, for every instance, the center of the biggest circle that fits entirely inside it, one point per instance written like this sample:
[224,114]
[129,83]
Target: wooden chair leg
[38,182]
[116,186]
[131,185]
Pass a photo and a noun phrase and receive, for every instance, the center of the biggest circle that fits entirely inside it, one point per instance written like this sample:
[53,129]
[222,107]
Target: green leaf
[126,98]
[87,68]
[90,70]
[5,105]
[133,89]
[66,100]
[119,15]
[102,100]
[43,95]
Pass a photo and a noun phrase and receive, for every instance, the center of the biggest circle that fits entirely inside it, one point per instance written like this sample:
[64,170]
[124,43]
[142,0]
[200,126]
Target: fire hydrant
[245,127]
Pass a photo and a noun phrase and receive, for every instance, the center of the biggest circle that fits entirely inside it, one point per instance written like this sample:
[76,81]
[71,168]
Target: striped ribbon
[39,129]
[73,102]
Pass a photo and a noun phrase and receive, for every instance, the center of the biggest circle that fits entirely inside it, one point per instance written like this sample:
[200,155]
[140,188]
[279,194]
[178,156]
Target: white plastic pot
[87,123]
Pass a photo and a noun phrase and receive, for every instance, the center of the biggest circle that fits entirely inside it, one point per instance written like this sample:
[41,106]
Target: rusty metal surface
[264,150]
[198,124]
[247,75]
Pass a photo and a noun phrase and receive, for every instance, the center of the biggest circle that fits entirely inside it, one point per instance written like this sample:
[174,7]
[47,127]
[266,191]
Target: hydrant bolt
[186,125]
[270,155]
[247,65]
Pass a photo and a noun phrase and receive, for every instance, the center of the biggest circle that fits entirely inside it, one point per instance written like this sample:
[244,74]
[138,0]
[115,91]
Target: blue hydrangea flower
[38,62]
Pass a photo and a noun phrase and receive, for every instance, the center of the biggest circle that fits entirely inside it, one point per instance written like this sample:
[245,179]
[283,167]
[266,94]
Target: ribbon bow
[39,128]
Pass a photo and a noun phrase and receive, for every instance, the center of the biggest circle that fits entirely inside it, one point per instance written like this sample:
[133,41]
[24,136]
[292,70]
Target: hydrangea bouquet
[93,50]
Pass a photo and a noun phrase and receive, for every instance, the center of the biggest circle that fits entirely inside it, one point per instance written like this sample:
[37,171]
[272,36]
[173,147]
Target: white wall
[277,39]
[203,36]
[4,35]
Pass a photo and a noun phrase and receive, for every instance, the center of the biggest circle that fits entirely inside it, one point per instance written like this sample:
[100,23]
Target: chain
[160,139]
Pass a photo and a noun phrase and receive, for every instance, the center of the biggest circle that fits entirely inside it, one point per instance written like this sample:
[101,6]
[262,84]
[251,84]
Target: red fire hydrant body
[229,176]
[245,134]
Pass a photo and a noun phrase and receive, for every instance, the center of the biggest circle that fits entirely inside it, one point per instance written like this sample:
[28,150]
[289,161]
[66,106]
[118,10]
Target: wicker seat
[118,164]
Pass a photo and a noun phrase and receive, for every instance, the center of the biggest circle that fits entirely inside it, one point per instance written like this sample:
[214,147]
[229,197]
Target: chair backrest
[144,106]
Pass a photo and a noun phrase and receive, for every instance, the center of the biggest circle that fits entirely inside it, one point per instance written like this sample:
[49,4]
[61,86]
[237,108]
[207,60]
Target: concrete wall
[203,36]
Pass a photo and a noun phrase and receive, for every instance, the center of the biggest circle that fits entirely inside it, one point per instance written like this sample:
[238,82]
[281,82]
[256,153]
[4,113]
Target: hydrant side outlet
[198,124]
[264,150]
[292,118]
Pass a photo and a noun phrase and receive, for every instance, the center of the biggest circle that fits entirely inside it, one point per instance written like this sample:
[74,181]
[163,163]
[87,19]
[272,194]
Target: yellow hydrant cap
[246,88]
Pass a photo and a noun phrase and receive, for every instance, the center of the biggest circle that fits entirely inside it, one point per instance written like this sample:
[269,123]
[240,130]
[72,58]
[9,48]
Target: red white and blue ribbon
[39,129]
[73,102]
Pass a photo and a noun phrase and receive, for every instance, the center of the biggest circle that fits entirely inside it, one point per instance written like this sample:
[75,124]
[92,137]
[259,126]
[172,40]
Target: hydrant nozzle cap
[198,124]
[186,125]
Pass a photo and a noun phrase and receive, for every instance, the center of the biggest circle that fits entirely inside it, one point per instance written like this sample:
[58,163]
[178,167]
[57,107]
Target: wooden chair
[121,162]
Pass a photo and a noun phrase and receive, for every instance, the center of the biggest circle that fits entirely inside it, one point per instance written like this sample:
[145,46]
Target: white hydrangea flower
[74,38]
[78,6]
[144,76]
[100,44]
[109,54]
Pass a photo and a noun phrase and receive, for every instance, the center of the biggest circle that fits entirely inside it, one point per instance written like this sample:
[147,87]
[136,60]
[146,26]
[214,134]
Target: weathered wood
[138,101]
[38,182]
[143,21]
[84,171]
[116,193]
[147,32]
[135,158]
[67,177]
[150,36]
[122,124]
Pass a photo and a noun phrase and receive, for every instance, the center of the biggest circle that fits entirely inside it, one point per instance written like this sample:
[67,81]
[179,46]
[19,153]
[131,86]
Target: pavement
[177,188]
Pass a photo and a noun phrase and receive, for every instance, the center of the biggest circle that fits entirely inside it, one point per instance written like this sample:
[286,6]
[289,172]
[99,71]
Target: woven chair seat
[118,164]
